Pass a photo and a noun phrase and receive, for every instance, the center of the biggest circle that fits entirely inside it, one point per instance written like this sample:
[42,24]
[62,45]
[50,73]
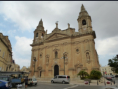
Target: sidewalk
[83,84]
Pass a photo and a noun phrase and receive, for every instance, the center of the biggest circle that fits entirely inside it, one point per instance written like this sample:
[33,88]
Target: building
[64,51]
[5,53]
[106,70]
[15,67]
[25,69]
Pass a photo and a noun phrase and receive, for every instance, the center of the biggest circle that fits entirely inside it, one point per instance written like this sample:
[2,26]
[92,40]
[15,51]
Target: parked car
[6,78]
[114,78]
[109,77]
[4,84]
[32,81]
[61,79]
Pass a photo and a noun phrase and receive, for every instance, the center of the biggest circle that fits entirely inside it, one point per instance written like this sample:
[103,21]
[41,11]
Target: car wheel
[52,81]
[63,82]
[30,84]
[35,83]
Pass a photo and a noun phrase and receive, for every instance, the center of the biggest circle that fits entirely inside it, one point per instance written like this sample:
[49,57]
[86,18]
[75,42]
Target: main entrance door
[56,70]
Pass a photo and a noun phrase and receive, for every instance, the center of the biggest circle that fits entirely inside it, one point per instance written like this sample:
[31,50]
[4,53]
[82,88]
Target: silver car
[61,79]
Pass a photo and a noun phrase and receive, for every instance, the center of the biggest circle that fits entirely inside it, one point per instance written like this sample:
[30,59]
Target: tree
[83,74]
[114,64]
[95,74]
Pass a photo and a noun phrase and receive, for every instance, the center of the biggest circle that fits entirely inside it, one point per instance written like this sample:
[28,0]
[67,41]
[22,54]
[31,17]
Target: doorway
[40,74]
[56,70]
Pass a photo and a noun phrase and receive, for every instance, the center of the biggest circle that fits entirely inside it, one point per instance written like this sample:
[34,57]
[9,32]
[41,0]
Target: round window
[77,50]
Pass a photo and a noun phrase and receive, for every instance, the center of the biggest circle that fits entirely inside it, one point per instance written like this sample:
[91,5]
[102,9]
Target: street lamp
[64,57]
[34,63]
[117,60]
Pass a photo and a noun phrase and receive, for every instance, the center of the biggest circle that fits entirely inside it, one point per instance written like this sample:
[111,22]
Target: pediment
[57,36]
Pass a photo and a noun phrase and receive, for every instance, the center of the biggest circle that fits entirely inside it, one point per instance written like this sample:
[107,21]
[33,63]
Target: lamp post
[34,63]
[64,61]
[117,60]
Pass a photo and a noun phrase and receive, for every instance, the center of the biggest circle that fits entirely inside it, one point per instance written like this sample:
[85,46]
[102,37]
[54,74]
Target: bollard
[104,83]
[89,82]
[111,83]
[97,82]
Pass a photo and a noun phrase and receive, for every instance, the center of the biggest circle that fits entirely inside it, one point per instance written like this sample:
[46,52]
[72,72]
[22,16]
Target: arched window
[36,34]
[56,54]
[40,55]
[84,22]
[87,56]
[77,50]
[42,35]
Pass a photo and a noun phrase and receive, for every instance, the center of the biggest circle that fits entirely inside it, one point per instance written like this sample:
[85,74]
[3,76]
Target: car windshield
[4,78]
[34,79]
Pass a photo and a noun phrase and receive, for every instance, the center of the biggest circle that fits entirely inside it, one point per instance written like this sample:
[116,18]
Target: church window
[77,50]
[83,22]
[42,35]
[36,34]
[56,54]
[40,55]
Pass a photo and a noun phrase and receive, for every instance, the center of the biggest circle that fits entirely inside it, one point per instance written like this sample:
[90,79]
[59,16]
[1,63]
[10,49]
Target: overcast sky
[19,19]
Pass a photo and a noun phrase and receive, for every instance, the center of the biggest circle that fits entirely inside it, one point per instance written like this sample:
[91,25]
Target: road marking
[71,87]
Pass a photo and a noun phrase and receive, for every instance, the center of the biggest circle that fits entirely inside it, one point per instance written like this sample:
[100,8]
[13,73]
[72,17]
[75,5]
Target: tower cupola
[39,32]
[84,20]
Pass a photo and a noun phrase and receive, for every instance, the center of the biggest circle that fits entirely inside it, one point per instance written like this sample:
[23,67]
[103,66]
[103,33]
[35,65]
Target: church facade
[64,52]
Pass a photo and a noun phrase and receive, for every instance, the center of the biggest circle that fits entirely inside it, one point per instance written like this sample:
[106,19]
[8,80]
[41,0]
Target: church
[64,52]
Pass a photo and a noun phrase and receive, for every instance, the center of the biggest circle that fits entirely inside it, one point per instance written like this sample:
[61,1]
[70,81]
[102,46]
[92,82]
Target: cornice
[6,42]
[75,35]
[64,44]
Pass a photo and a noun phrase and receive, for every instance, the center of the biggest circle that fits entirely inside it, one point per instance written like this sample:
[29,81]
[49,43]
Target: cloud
[2,25]
[22,50]
[10,33]
[107,46]
[26,16]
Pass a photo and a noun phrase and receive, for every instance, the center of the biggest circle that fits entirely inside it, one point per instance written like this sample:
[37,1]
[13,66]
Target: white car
[32,81]
[61,79]
[115,79]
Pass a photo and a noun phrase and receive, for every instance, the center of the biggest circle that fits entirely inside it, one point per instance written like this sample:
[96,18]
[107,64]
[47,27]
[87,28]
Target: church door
[40,74]
[56,70]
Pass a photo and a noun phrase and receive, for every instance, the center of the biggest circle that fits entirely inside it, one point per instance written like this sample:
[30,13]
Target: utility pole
[34,64]
[64,64]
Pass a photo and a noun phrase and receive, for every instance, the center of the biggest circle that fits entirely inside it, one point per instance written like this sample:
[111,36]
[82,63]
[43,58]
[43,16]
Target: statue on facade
[56,24]
[68,25]
[87,56]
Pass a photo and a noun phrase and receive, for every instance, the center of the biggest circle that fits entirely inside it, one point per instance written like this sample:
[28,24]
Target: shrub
[95,74]
[83,74]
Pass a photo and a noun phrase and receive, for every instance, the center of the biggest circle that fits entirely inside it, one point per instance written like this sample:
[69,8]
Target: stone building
[5,53]
[107,70]
[25,69]
[15,67]
[77,49]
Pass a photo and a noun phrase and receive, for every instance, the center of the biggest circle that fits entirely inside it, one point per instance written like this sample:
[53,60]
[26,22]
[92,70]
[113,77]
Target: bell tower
[84,20]
[39,33]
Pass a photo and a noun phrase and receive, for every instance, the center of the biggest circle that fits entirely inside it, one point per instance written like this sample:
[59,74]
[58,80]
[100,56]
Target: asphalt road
[65,86]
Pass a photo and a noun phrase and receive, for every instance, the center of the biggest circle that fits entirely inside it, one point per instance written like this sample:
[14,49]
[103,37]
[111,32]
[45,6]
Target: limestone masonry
[77,49]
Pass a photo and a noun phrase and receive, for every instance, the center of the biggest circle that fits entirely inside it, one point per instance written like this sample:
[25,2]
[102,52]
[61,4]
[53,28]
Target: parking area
[66,86]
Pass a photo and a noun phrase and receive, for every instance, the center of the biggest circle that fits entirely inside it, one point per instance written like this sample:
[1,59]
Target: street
[66,86]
